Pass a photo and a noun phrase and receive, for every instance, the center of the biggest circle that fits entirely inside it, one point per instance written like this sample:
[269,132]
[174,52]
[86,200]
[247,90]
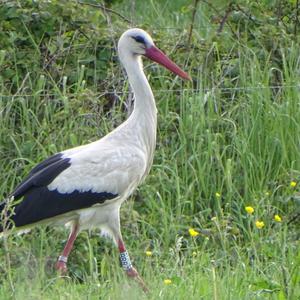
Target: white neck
[144,99]
[142,122]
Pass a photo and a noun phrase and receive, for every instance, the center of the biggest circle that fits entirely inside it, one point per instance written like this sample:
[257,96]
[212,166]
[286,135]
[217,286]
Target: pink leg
[127,266]
[61,264]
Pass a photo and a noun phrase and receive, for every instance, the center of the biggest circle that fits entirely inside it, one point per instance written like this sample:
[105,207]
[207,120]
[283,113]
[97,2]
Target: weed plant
[218,216]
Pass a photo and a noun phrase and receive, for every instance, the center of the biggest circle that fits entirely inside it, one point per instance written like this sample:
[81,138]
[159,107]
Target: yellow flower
[193,232]
[167,281]
[249,210]
[277,218]
[148,253]
[218,195]
[293,184]
[259,224]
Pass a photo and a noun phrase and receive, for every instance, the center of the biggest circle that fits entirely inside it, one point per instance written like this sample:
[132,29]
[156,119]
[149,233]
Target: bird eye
[139,39]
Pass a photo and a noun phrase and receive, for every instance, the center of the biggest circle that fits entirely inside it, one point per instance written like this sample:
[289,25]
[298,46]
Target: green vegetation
[227,141]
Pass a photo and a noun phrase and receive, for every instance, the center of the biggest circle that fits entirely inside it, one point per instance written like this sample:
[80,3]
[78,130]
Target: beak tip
[187,77]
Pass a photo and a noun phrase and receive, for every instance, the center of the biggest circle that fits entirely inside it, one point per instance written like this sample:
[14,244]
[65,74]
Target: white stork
[85,186]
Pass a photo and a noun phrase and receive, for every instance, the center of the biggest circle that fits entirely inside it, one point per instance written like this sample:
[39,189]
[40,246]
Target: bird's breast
[99,216]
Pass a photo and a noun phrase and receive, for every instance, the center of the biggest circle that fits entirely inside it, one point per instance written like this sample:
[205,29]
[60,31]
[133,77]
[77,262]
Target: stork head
[137,42]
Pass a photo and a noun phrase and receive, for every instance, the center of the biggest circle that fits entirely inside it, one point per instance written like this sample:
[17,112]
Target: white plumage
[85,186]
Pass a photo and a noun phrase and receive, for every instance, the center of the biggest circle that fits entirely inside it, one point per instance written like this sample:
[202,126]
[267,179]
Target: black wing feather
[39,203]
[50,160]
[42,175]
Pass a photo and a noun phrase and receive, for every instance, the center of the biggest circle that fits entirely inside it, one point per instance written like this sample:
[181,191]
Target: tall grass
[220,147]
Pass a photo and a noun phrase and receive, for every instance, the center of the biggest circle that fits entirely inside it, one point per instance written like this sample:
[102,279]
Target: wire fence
[184,90]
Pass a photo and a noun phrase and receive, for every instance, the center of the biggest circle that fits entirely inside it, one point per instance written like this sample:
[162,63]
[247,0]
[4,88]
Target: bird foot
[133,273]
[61,267]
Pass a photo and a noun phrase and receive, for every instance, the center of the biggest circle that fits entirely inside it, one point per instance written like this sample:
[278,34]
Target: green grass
[230,133]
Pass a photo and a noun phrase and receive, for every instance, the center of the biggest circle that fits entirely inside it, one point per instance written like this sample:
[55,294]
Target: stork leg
[61,264]
[127,266]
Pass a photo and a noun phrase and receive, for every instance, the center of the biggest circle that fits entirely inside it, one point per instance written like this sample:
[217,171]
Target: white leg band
[125,261]
[63,258]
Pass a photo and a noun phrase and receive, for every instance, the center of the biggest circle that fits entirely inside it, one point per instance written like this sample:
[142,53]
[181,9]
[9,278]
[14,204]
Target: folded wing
[64,183]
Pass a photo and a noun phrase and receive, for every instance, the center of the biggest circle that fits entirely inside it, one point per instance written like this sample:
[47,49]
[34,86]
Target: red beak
[158,56]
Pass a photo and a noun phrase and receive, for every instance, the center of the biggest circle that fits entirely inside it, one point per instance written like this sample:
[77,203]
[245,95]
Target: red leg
[127,266]
[61,264]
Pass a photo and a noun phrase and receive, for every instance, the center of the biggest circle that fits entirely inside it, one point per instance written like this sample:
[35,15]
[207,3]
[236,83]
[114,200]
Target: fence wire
[204,90]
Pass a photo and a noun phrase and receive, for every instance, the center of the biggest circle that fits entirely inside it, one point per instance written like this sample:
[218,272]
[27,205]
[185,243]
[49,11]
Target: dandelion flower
[259,224]
[277,218]
[249,210]
[148,253]
[218,195]
[167,281]
[193,232]
[293,184]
